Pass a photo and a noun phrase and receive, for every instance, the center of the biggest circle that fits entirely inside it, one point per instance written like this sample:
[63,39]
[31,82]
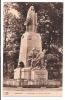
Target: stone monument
[30,38]
[31,54]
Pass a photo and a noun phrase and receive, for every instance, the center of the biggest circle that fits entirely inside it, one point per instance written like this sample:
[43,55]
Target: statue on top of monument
[36,59]
[31,20]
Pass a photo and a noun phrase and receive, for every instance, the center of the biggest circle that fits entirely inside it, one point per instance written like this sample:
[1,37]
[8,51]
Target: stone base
[39,74]
[22,73]
[17,73]
[26,73]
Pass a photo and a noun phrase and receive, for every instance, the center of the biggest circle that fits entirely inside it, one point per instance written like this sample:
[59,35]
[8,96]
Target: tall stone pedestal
[29,40]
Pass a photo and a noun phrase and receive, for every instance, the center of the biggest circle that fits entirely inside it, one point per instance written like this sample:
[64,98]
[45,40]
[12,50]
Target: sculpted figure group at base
[36,59]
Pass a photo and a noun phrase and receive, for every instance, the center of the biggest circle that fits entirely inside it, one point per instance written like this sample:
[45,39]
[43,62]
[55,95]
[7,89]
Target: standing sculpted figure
[31,20]
[36,59]
[32,55]
[40,59]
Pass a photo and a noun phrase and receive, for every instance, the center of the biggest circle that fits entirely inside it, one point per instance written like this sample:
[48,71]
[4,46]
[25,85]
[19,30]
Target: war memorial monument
[31,54]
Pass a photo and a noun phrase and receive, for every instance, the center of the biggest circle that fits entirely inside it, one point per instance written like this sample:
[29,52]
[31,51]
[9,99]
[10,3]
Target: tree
[10,37]
[6,19]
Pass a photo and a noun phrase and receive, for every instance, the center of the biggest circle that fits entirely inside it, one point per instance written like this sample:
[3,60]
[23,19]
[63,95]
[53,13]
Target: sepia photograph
[32,49]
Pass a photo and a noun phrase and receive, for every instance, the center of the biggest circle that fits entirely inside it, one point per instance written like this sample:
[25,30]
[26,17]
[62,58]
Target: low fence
[28,83]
